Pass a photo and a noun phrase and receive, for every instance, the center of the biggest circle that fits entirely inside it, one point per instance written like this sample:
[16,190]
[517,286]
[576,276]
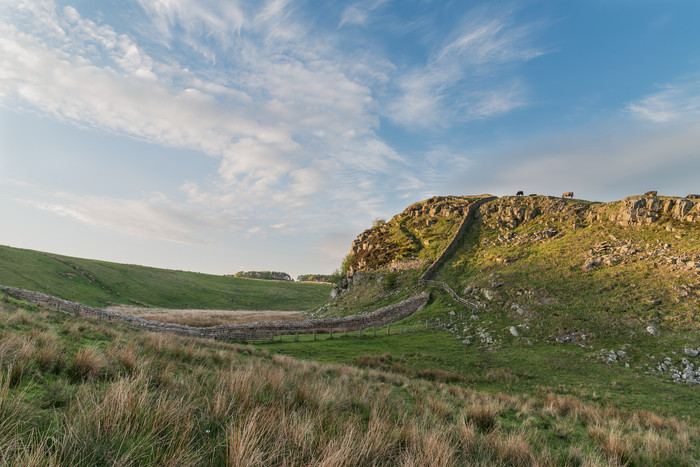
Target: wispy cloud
[292,118]
[153,218]
[676,101]
[272,123]
[360,12]
[459,80]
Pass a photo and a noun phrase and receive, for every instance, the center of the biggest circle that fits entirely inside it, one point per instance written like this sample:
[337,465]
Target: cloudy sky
[217,136]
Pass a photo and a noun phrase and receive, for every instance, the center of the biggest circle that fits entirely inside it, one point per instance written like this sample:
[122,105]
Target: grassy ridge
[543,292]
[83,392]
[101,283]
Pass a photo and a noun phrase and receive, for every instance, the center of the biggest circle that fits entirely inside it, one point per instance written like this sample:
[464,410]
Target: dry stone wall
[248,331]
[452,246]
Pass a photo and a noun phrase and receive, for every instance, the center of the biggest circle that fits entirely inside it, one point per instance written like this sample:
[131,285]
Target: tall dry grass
[150,399]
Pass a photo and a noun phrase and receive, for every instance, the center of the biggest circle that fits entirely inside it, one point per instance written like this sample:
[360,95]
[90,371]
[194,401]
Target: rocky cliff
[411,239]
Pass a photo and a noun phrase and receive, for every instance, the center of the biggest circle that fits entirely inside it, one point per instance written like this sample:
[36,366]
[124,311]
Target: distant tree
[378,222]
[266,275]
[314,278]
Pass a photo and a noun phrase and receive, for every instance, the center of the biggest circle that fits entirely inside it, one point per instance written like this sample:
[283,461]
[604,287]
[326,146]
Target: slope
[101,283]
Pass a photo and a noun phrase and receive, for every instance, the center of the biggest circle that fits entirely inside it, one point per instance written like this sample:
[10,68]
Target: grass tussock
[88,364]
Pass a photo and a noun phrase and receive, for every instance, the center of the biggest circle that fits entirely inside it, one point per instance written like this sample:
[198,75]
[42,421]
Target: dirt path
[192,317]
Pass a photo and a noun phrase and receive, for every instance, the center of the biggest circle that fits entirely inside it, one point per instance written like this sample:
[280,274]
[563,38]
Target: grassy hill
[567,291]
[101,283]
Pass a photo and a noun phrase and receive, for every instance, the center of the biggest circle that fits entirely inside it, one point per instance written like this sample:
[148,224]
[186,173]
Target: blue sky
[217,136]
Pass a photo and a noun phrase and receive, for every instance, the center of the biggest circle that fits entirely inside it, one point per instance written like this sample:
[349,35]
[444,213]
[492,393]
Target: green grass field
[81,392]
[100,283]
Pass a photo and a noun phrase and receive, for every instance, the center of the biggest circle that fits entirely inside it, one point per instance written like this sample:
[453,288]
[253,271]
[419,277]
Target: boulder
[513,330]
[652,330]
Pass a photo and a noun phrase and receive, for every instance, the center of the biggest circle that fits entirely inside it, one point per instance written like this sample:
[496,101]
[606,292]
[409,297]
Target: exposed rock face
[647,210]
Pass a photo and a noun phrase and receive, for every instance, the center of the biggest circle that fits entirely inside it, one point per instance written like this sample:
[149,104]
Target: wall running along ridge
[424,279]
[248,331]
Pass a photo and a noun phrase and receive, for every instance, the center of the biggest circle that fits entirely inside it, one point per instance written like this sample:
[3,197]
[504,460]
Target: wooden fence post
[388,330]
[331,334]
[360,332]
[346,332]
[375,331]
[296,337]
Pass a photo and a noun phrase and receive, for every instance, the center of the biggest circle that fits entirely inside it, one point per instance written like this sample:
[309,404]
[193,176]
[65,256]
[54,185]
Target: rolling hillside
[101,283]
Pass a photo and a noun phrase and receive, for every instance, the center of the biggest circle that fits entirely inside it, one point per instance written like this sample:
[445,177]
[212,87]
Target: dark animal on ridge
[568,194]
[650,193]
[520,193]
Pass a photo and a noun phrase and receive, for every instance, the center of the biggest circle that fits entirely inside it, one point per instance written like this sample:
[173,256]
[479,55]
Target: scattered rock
[488,294]
[573,337]
[467,290]
[652,330]
[514,331]
[691,352]
[655,302]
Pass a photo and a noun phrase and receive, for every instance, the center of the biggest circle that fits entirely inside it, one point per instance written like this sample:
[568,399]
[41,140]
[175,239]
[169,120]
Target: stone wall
[454,242]
[248,331]
[473,304]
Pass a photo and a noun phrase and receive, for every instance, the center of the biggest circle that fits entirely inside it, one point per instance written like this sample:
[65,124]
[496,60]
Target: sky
[219,136]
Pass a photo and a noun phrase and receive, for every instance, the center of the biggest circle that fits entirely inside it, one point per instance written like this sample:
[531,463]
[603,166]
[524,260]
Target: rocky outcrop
[400,241]
[643,210]
[248,331]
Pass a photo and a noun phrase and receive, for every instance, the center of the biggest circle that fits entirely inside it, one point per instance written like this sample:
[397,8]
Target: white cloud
[459,80]
[155,218]
[222,20]
[360,13]
[286,106]
[674,102]
[291,118]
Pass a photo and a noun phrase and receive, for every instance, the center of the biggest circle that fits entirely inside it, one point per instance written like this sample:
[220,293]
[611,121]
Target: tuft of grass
[88,364]
[484,415]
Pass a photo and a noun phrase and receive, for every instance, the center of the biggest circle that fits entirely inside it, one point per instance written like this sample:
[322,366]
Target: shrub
[390,280]
[346,264]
